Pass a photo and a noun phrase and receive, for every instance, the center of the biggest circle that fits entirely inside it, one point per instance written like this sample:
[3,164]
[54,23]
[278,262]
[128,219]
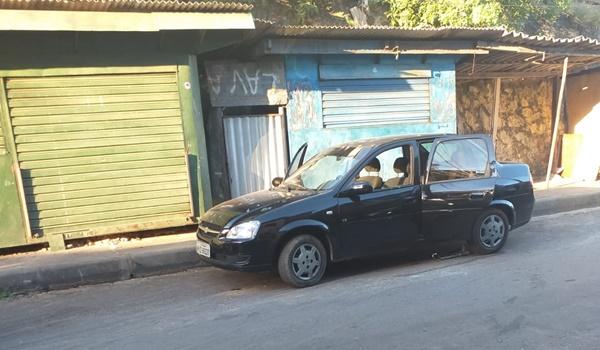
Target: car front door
[297,160]
[388,217]
[458,186]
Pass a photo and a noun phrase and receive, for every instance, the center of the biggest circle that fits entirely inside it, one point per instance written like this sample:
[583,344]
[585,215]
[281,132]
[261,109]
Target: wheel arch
[309,227]
[507,207]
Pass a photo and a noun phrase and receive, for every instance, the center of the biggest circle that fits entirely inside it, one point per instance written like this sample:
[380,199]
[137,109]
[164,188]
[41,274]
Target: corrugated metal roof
[497,34]
[128,5]
[583,55]
[519,38]
[496,61]
[376,32]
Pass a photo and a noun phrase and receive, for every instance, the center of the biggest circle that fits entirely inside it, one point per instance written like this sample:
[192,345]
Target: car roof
[378,141]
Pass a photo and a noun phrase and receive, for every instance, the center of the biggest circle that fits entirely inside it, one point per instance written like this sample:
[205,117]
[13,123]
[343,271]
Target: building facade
[340,98]
[321,100]
[101,120]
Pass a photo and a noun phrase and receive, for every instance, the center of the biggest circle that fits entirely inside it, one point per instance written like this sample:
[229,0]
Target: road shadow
[420,256]
[347,269]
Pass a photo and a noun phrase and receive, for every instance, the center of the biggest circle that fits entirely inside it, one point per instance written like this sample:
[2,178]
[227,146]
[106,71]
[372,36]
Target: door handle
[477,195]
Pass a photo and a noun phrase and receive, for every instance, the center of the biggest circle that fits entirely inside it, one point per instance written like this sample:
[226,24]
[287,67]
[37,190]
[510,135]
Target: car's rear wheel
[302,261]
[489,232]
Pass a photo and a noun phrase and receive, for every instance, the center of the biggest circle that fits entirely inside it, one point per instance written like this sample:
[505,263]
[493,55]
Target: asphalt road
[542,291]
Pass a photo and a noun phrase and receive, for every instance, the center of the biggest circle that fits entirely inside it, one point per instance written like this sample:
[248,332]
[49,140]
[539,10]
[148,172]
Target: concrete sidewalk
[42,271]
[45,270]
[566,198]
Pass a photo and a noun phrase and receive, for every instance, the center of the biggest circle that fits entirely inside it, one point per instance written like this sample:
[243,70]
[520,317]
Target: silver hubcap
[492,231]
[306,261]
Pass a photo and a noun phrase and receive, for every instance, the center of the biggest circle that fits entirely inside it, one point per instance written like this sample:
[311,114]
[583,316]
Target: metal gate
[101,151]
[256,147]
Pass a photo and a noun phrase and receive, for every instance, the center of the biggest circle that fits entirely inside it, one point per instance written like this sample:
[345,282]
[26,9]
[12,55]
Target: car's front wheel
[489,232]
[302,261]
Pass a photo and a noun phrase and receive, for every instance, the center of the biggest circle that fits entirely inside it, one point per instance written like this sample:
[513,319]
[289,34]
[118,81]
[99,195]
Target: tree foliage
[514,14]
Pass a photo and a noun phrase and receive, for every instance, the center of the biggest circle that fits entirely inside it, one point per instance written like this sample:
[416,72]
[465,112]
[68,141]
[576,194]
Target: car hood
[251,204]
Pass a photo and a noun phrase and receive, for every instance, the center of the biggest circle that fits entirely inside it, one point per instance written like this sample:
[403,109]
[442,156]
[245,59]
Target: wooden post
[556,121]
[496,108]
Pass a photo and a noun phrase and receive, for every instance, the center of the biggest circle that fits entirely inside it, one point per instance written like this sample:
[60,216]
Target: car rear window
[459,159]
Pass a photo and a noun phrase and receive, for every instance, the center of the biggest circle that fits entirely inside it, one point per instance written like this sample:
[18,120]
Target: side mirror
[277,181]
[356,189]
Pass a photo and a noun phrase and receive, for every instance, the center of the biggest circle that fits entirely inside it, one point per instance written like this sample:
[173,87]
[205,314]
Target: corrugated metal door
[364,102]
[2,145]
[100,151]
[256,151]
[12,227]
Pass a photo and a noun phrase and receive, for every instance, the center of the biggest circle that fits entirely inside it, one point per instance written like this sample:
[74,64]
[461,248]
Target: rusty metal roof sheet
[519,38]
[583,55]
[128,5]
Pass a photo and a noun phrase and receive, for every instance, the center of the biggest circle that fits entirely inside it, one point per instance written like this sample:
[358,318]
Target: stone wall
[524,126]
[475,106]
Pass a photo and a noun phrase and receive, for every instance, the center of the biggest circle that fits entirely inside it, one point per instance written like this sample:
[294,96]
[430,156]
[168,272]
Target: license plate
[203,248]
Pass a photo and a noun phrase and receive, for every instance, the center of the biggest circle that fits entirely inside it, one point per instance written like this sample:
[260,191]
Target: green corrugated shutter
[100,151]
[2,146]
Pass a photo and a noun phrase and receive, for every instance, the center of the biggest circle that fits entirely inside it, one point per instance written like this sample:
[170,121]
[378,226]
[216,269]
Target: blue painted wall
[304,113]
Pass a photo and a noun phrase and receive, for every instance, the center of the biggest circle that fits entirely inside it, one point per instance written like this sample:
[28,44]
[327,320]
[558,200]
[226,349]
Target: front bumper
[238,256]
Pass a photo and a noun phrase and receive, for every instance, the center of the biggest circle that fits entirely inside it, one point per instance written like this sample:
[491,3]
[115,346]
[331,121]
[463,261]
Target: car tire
[490,232]
[302,261]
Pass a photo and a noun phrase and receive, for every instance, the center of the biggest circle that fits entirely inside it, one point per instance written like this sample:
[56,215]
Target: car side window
[389,169]
[424,149]
[459,159]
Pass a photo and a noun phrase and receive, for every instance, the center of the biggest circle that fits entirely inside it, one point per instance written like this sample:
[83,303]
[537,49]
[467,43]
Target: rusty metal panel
[246,84]
[97,153]
[256,151]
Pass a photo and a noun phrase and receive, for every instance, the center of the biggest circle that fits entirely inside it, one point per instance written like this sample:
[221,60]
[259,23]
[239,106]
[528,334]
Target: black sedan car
[370,197]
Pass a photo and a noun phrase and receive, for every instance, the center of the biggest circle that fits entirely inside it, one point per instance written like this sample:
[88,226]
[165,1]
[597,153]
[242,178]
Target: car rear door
[458,186]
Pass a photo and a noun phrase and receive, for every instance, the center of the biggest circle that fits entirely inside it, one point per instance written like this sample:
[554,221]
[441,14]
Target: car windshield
[326,169]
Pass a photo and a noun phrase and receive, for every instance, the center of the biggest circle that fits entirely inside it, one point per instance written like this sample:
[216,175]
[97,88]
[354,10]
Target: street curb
[170,259]
[111,269]
[548,206]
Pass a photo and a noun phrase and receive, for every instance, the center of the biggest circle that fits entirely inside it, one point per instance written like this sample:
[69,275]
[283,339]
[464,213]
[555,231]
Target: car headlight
[244,231]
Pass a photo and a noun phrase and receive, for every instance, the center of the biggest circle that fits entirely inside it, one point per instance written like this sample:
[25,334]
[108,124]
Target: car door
[458,186]
[388,217]
[297,160]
